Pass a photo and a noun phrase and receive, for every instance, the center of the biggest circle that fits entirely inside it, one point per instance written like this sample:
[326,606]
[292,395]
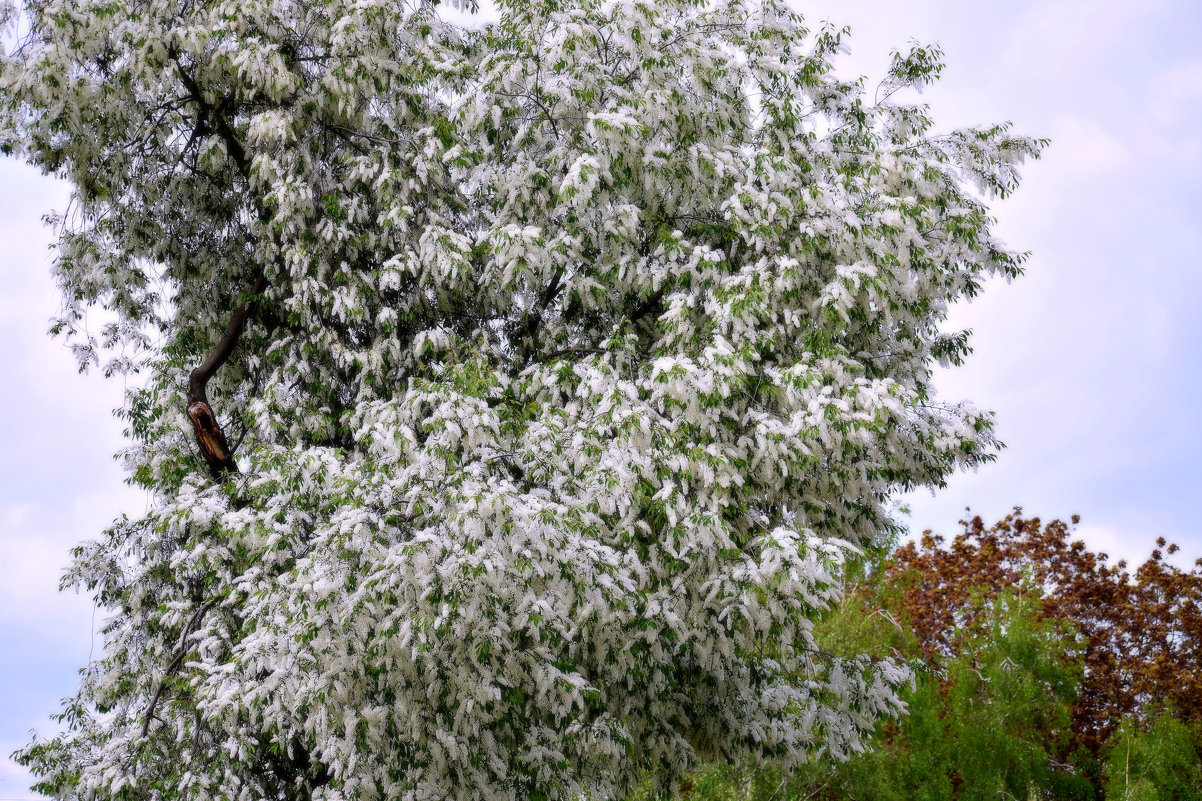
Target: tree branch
[209,435]
[534,319]
[647,306]
[214,446]
[581,351]
[174,666]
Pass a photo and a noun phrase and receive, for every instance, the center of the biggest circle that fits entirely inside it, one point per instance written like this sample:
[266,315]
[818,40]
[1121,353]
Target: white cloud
[14,779]
[60,484]
[1166,126]
[1063,38]
[1135,547]
[1114,543]
[1174,92]
[35,543]
[1085,148]
[35,561]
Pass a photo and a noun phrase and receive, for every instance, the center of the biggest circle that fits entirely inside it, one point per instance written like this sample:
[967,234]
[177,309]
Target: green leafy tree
[1158,762]
[510,394]
[1143,626]
[1026,646]
[992,721]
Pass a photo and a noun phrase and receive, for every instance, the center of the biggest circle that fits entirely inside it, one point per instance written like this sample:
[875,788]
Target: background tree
[1160,760]
[1028,651]
[510,396]
[992,720]
[1143,628]
[989,719]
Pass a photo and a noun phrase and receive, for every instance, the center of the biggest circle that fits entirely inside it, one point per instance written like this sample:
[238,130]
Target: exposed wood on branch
[209,435]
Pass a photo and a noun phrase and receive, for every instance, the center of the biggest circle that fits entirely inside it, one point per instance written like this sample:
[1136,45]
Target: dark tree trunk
[214,445]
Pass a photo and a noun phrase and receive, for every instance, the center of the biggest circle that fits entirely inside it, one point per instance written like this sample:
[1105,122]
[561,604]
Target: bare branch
[181,651]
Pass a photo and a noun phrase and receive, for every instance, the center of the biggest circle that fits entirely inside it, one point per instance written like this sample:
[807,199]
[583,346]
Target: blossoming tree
[508,394]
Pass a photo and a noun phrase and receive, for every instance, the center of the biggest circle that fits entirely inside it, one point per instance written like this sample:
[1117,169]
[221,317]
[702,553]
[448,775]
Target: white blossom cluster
[594,341]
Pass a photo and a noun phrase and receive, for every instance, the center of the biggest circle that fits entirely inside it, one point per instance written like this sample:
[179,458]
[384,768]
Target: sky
[1092,361]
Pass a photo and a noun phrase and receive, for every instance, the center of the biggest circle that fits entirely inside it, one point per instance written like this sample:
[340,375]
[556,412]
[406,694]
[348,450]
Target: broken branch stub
[214,446]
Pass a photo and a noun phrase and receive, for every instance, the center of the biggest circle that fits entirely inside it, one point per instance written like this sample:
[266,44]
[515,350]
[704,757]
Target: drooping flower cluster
[581,348]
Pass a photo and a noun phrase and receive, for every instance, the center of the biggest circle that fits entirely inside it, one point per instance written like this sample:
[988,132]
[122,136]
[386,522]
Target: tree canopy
[1042,670]
[1142,627]
[564,359]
